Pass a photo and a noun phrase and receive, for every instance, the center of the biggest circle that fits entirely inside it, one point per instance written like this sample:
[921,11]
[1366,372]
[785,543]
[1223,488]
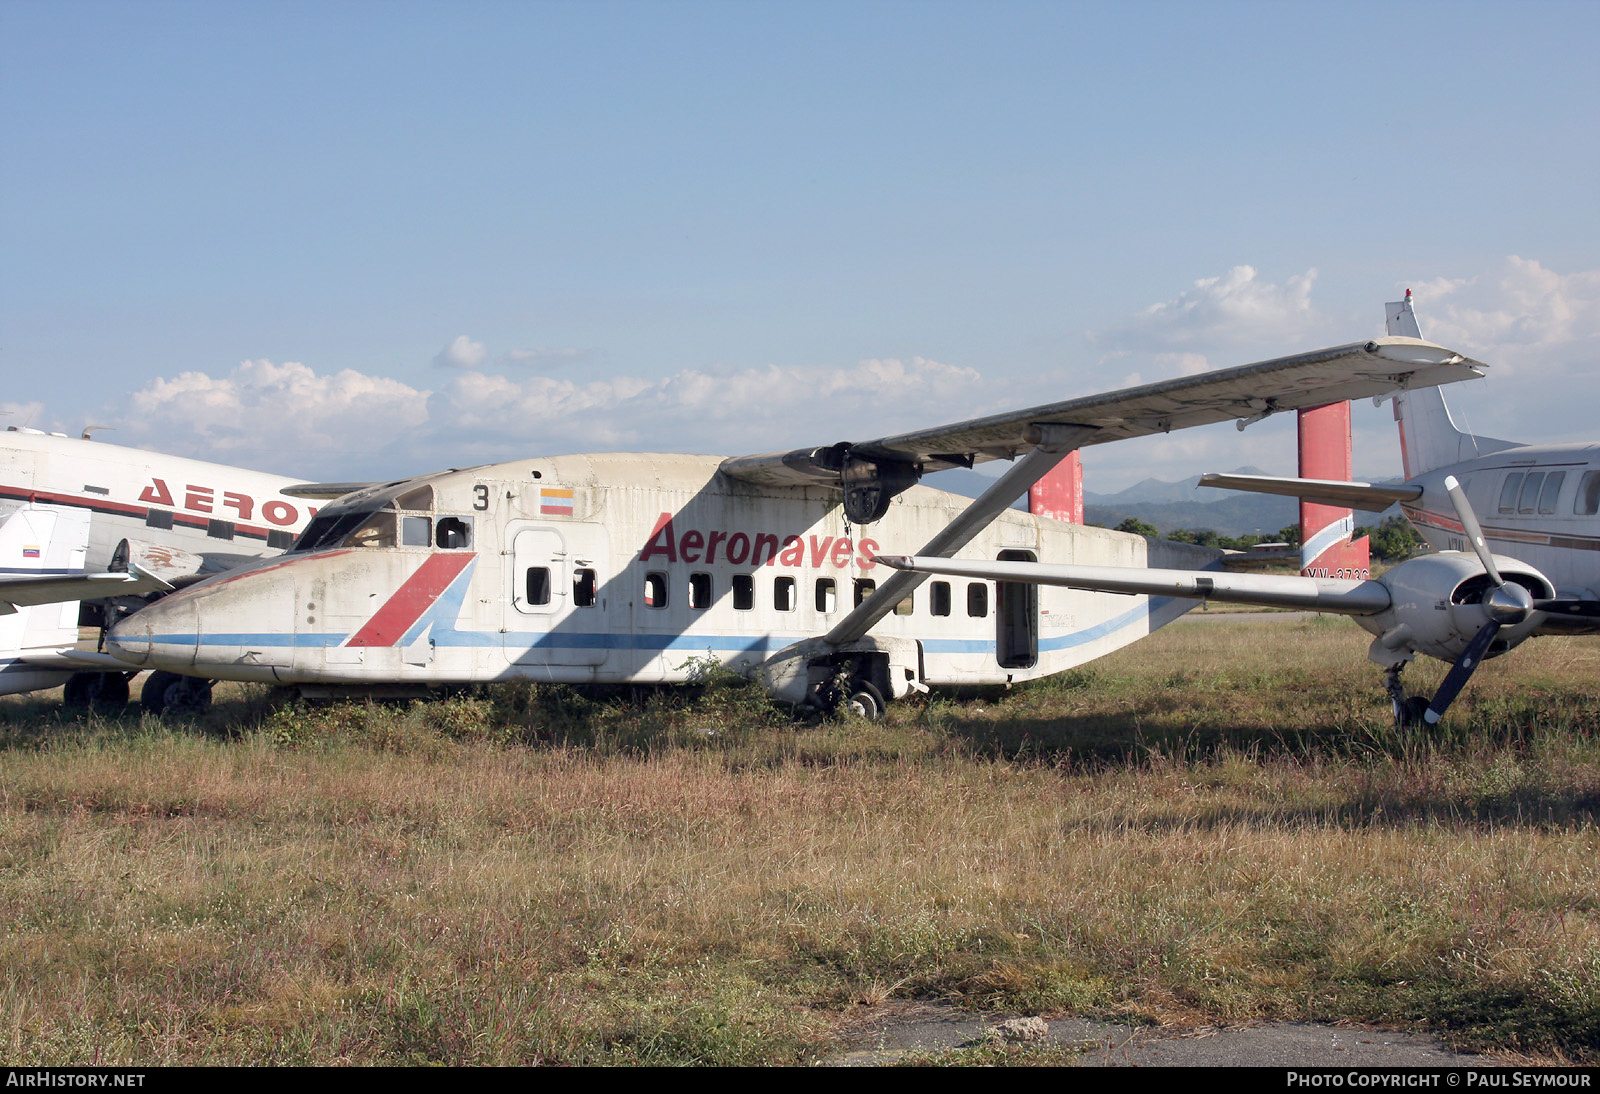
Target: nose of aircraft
[129,640]
[154,636]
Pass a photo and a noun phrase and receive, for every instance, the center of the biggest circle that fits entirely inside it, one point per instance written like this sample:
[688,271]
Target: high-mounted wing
[872,472]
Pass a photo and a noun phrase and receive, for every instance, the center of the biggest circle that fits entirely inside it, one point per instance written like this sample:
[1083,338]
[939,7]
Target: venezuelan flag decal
[555,501]
[415,596]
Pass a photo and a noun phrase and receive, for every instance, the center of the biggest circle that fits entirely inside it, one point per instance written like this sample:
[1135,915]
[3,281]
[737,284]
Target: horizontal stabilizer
[326,489]
[1257,559]
[26,590]
[1353,495]
[1341,595]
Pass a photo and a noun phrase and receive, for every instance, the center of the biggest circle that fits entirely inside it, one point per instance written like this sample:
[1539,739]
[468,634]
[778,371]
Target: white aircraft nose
[129,640]
[161,635]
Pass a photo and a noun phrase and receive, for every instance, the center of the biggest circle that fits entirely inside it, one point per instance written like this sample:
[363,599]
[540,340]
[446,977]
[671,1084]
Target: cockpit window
[376,534]
[415,531]
[421,499]
[329,529]
[453,532]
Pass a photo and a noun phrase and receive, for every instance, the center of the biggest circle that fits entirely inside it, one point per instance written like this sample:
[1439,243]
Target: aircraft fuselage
[226,514]
[631,568]
[1537,503]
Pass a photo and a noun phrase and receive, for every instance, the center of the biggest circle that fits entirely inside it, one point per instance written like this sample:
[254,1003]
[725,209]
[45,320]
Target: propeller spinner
[1505,603]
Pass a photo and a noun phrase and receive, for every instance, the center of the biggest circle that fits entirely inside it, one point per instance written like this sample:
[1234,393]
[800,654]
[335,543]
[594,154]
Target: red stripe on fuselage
[415,596]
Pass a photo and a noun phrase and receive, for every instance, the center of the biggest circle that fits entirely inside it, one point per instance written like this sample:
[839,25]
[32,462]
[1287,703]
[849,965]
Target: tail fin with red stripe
[1059,495]
[1326,547]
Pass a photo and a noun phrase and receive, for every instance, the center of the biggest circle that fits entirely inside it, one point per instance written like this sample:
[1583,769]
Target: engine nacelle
[171,564]
[1438,605]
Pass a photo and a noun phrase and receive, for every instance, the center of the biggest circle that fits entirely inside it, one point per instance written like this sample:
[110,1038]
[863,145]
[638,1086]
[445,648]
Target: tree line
[1392,540]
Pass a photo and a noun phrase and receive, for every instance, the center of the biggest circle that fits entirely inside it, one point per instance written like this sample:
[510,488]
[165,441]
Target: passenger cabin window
[1587,503]
[939,598]
[783,594]
[453,533]
[864,589]
[700,591]
[827,595]
[1509,492]
[1530,492]
[744,592]
[219,529]
[158,518]
[655,589]
[906,606]
[583,588]
[538,585]
[977,600]
[1551,492]
[280,540]
[415,531]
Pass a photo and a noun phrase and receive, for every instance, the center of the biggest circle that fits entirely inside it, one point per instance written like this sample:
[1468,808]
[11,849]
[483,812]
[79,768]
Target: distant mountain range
[1169,505]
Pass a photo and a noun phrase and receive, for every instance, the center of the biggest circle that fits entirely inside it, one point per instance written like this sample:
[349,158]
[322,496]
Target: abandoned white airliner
[631,567]
[84,523]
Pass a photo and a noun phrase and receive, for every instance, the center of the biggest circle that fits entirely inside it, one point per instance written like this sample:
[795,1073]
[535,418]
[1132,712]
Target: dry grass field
[1218,824]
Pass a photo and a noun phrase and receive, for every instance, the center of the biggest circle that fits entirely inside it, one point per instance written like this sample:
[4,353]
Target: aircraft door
[1016,618]
[556,612]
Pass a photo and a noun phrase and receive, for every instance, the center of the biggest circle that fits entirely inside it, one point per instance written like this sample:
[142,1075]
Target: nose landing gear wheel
[169,693]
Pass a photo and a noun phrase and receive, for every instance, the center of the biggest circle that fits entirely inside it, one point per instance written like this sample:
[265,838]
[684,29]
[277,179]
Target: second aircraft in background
[1532,568]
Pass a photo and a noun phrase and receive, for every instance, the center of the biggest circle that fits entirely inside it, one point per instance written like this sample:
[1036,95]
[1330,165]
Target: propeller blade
[1470,525]
[1460,673]
[1568,605]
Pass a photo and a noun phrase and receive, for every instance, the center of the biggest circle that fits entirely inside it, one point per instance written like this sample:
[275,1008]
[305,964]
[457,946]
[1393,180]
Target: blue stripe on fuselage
[589,640]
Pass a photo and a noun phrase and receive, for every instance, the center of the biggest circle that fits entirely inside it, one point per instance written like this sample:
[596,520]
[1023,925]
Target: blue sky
[371,239]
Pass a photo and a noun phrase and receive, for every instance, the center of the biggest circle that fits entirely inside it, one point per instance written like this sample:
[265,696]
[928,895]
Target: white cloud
[748,410]
[1231,309]
[349,425]
[1536,327]
[1518,308]
[544,357]
[462,353]
[272,417]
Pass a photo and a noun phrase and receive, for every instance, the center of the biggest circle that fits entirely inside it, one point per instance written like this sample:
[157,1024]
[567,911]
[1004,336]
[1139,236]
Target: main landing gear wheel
[180,696]
[865,700]
[101,692]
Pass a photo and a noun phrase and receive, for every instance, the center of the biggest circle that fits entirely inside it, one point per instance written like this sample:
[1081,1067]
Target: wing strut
[1055,441]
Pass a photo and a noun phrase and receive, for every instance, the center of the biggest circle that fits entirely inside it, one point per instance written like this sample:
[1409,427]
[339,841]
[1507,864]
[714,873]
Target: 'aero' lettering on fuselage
[755,549]
[203,499]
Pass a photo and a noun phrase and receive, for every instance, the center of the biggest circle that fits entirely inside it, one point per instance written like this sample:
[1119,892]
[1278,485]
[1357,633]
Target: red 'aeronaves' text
[755,549]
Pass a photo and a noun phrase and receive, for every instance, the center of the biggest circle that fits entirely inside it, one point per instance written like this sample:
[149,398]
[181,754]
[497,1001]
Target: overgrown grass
[1217,824]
